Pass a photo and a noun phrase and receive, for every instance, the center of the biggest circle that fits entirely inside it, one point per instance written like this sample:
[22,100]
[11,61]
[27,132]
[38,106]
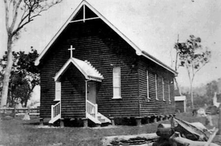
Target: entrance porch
[76,92]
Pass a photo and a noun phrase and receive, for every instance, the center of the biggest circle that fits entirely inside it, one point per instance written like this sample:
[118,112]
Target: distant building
[216,99]
[180,103]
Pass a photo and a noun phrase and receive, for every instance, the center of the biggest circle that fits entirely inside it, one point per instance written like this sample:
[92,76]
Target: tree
[24,76]
[193,57]
[18,14]
[211,88]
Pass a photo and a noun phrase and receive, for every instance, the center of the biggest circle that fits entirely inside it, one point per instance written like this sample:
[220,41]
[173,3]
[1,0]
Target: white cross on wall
[71,51]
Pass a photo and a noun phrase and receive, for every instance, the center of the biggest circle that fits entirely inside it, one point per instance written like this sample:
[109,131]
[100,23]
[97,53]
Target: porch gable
[85,67]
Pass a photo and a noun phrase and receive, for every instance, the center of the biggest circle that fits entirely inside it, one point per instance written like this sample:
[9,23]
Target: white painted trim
[62,70]
[180,98]
[117,97]
[86,19]
[156,86]
[158,62]
[163,89]
[57,88]
[169,95]
[138,50]
[148,85]
[86,81]
[37,61]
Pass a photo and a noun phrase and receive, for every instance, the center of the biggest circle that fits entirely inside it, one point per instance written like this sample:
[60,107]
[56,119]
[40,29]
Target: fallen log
[164,130]
[211,137]
[200,126]
[190,131]
[187,142]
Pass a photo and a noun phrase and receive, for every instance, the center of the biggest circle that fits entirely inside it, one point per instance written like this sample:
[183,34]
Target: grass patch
[16,132]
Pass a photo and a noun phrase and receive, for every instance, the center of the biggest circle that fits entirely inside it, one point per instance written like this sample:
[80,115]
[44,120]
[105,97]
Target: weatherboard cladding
[73,93]
[104,49]
[153,106]
[91,13]
[103,52]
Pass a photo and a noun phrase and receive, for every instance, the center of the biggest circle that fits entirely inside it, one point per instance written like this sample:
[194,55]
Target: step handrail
[94,108]
[55,110]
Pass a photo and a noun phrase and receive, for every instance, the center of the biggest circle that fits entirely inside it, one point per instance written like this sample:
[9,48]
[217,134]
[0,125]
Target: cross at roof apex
[71,51]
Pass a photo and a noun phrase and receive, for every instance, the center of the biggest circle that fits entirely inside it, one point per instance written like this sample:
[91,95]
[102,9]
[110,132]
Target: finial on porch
[71,51]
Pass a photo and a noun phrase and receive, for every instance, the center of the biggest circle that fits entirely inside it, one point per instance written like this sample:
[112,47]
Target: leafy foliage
[191,54]
[18,14]
[203,94]
[24,76]
[193,57]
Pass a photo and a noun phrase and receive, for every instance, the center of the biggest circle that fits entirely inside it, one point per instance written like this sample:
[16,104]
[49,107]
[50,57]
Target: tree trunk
[191,95]
[177,85]
[7,72]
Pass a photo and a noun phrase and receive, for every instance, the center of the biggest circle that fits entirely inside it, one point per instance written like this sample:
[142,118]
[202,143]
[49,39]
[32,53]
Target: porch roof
[85,67]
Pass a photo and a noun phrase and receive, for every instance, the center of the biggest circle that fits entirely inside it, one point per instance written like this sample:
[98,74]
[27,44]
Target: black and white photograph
[110,73]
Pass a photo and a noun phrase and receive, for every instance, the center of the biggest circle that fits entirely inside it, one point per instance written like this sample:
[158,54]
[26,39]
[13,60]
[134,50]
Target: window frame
[169,95]
[148,85]
[116,89]
[163,89]
[156,86]
[57,91]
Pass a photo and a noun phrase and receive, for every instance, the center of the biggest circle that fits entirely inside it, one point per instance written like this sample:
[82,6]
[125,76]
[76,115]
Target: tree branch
[7,16]
[28,17]
[15,15]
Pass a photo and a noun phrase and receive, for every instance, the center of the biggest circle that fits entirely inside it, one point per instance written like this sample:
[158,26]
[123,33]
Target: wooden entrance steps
[55,119]
[102,118]
[55,112]
[91,113]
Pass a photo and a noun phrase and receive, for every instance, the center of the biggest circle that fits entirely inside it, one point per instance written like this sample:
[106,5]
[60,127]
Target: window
[156,86]
[163,89]
[148,88]
[169,91]
[116,82]
[57,91]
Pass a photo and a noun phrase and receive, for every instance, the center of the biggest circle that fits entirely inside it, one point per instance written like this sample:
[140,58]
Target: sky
[153,25]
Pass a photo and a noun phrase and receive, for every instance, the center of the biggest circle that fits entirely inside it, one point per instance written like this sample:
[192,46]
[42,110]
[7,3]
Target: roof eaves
[37,61]
[155,60]
[138,51]
[62,70]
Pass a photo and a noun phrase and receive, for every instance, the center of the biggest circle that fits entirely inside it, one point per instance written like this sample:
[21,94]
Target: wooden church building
[91,71]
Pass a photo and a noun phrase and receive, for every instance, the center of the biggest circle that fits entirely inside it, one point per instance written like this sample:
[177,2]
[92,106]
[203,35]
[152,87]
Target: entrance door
[92,92]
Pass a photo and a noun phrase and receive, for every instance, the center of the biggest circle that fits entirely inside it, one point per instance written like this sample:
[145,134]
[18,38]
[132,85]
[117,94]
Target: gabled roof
[139,52]
[89,72]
